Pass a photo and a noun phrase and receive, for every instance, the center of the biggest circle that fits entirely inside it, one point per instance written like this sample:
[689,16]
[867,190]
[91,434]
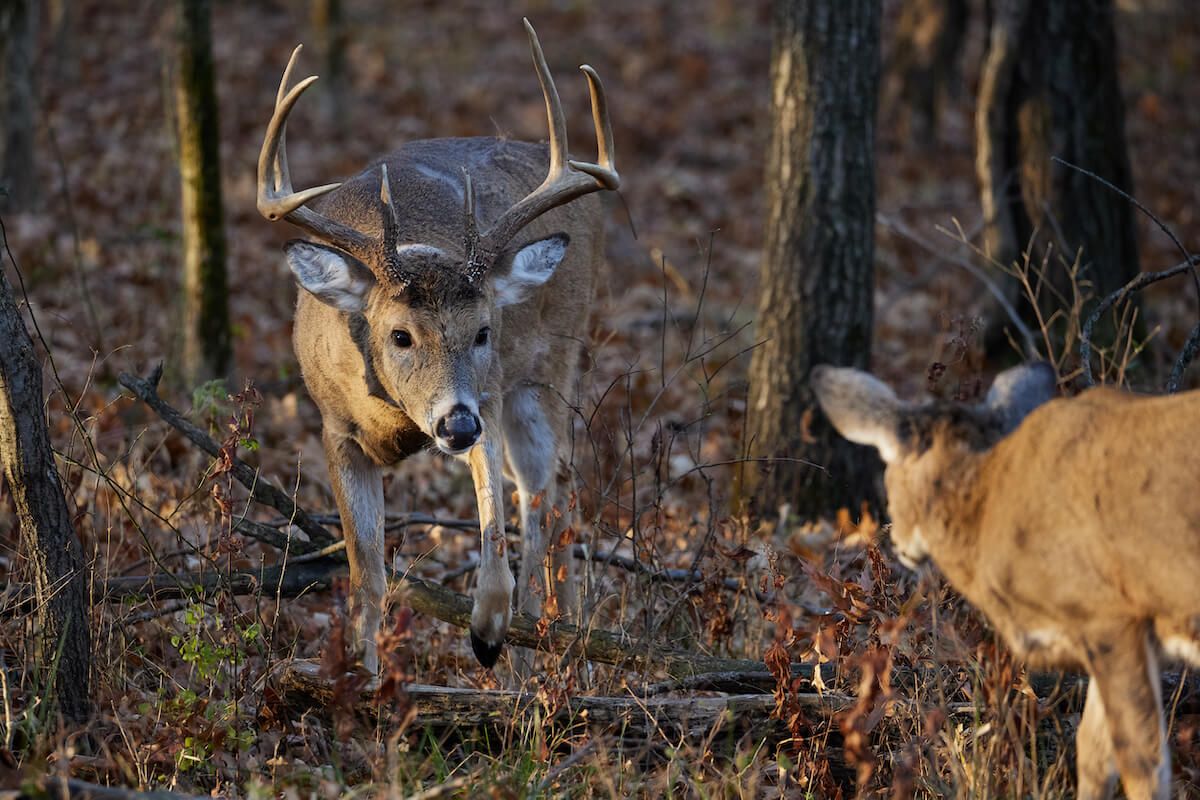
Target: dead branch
[632,717]
[446,605]
[262,491]
[1140,282]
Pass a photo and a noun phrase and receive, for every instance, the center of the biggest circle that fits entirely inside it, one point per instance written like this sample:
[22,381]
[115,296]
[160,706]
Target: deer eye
[401,338]
[482,337]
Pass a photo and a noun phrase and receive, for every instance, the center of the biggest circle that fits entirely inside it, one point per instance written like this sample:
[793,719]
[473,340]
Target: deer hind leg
[358,490]
[1124,669]
[1095,768]
[531,450]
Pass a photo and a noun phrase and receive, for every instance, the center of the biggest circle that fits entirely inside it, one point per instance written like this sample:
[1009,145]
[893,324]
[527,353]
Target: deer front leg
[492,611]
[358,490]
[1124,668]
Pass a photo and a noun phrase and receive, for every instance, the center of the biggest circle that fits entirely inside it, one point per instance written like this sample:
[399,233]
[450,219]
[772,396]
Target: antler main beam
[276,198]
[565,180]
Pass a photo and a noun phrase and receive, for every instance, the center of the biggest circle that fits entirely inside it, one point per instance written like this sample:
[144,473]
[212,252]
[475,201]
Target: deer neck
[953,508]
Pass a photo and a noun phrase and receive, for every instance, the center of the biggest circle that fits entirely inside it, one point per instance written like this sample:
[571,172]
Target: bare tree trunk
[330,31]
[62,644]
[206,339]
[18,99]
[1050,88]
[815,302]
[923,67]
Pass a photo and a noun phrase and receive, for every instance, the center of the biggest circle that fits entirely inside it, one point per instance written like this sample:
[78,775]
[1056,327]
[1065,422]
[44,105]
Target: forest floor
[188,691]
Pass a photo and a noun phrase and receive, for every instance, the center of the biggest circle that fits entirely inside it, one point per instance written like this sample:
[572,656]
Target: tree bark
[923,67]
[330,30]
[1049,88]
[62,637]
[206,339]
[18,98]
[815,301]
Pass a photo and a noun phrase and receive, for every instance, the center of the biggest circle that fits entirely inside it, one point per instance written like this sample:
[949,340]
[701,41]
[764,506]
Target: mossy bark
[207,349]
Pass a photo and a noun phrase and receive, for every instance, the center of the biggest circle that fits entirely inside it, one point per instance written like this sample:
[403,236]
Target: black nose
[459,429]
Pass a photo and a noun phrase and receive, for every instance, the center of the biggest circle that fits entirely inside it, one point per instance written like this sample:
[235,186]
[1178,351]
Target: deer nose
[459,429]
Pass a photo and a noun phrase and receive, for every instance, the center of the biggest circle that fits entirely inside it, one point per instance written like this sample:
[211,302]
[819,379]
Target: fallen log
[628,716]
[56,786]
[449,606]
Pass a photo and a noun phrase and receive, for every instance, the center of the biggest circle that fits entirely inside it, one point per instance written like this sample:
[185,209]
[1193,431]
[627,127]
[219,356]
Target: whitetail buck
[1077,531]
[445,302]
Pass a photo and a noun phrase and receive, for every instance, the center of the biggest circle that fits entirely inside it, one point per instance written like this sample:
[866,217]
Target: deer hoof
[488,654]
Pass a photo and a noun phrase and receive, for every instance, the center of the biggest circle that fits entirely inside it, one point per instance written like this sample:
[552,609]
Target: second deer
[1073,524]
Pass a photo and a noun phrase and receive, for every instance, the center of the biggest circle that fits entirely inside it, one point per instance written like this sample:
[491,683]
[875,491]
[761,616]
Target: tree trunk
[815,301]
[331,36]
[206,338]
[923,67]
[18,97]
[1050,88]
[48,540]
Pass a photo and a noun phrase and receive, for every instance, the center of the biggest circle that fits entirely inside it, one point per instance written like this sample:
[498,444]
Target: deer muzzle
[458,430]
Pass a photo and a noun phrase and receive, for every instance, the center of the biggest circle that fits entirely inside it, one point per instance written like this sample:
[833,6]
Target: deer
[444,300]
[1073,524]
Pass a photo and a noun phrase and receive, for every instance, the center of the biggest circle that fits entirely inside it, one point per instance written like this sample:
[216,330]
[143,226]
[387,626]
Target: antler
[565,180]
[391,232]
[276,198]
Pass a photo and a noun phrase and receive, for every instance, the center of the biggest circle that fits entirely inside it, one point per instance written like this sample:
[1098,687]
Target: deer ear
[532,266]
[864,409]
[1018,391]
[333,276]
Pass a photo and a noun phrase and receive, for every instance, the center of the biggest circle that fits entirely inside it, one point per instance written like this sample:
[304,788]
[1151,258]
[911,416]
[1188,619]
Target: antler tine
[282,175]
[565,180]
[469,208]
[276,198]
[476,266]
[391,231]
[555,118]
[604,170]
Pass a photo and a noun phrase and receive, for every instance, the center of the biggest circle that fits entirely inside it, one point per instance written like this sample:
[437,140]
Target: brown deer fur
[1076,531]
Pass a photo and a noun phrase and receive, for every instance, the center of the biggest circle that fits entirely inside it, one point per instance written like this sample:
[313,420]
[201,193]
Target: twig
[156,612]
[553,774]
[1185,357]
[1189,264]
[451,786]
[979,275]
[262,491]
[1139,282]
[1187,256]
